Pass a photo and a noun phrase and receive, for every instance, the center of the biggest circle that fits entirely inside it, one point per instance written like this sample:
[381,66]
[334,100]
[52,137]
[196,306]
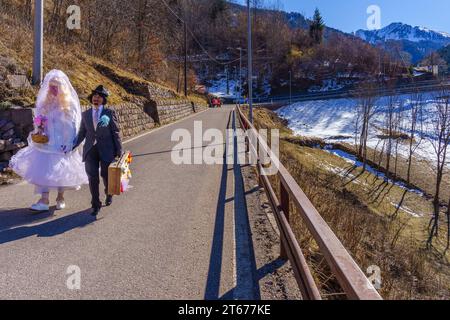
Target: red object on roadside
[216,102]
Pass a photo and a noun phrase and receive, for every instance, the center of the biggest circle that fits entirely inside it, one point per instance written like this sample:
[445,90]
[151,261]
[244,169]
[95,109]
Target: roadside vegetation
[362,209]
[64,50]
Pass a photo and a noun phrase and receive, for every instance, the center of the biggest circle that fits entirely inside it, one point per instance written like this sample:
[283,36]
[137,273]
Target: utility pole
[236,86]
[185,60]
[240,75]
[185,55]
[228,80]
[250,62]
[38,45]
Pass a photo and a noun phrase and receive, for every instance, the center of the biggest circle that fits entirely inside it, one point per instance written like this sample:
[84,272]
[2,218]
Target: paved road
[181,233]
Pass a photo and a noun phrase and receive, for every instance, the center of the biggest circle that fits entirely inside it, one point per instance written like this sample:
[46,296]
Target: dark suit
[101,148]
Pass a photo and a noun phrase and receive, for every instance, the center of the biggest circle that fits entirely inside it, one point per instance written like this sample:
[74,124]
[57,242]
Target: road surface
[180,233]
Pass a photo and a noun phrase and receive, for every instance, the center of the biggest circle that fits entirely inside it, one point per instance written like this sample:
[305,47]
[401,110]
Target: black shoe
[95,212]
[109,201]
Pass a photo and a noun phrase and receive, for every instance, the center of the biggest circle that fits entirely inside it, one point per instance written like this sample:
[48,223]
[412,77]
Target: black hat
[102,91]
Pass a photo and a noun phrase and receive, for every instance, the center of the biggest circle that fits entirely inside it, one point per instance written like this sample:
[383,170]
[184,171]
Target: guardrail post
[247,142]
[258,170]
[284,205]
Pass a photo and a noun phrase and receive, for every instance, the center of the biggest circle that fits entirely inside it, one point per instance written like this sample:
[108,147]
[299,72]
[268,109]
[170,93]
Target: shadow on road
[46,229]
[215,261]
[10,218]
[261,273]
[246,282]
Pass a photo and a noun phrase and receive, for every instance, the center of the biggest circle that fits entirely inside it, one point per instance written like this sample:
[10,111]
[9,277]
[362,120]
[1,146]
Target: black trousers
[93,164]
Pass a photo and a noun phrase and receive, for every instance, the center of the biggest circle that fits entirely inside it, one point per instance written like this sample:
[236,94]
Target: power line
[195,38]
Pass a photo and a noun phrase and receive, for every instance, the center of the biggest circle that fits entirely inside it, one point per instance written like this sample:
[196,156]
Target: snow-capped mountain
[417,42]
[400,31]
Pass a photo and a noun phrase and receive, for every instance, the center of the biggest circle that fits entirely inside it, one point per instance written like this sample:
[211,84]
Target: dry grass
[359,209]
[16,44]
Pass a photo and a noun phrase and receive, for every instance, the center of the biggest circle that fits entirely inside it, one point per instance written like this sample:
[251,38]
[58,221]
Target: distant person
[49,162]
[100,129]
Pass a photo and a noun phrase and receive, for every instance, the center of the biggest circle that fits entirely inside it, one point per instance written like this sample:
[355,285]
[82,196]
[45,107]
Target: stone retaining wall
[170,110]
[135,119]
[15,126]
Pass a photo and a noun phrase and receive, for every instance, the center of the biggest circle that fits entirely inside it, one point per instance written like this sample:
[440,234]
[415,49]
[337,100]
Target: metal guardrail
[350,277]
[425,86]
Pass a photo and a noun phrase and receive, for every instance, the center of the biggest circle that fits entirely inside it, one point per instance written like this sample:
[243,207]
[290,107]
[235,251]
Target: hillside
[445,54]
[82,69]
[283,43]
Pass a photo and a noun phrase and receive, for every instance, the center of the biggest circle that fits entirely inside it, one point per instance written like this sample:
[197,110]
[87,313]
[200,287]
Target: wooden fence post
[284,204]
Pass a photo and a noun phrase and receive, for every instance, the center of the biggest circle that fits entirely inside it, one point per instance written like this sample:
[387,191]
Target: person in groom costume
[100,129]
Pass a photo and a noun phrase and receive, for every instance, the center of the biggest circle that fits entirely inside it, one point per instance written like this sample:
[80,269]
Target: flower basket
[39,138]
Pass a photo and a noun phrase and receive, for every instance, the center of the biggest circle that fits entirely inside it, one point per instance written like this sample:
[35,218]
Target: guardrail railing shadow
[349,275]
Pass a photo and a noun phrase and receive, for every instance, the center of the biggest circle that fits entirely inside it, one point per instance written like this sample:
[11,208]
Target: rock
[8,134]
[3,166]
[3,122]
[5,114]
[15,146]
[8,126]
[8,169]
[18,82]
[5,156]
[8,142]
[22,116]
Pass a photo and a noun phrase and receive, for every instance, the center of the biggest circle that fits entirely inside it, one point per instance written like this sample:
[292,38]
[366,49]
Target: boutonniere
[104,121]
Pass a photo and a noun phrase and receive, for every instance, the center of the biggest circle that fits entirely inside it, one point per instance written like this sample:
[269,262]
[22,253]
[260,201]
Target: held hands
[65,149]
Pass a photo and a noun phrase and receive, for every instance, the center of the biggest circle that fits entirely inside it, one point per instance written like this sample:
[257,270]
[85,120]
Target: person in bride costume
[51,165]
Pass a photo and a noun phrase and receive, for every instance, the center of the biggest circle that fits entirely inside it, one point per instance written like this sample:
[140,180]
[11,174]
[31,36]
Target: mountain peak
[417,42]
[401,31]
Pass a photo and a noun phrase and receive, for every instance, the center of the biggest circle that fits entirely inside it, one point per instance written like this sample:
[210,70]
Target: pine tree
[317,27]
[218,7]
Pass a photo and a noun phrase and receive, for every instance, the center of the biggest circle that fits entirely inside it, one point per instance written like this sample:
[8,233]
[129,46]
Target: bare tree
[397,135]
[391,121]
[366,110]
[440,140]
[414,127]
[448,226]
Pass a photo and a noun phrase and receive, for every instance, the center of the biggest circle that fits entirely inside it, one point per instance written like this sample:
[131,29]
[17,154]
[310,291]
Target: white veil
[73,105]
[75,108]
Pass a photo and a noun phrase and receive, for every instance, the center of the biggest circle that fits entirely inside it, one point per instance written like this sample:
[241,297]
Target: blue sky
[350,15]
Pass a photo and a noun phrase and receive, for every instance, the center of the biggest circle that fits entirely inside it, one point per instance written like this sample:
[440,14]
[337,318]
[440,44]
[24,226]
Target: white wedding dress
[48,166]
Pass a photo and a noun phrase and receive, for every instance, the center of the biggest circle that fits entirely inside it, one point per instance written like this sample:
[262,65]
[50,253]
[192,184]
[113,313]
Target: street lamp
[38,42]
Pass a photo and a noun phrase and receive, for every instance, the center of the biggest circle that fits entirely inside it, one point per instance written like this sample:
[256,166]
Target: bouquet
[39,136]
[126,174]
[119,175]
